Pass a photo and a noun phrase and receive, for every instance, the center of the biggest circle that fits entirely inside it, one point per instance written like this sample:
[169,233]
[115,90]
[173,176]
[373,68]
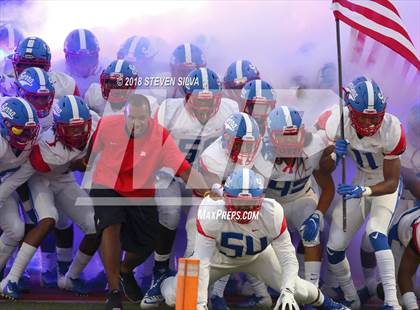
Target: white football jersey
[95,101]
[215,160]
[190,135]
[368,152]
[287,183]
[9,161]
[240,243]
[407,223]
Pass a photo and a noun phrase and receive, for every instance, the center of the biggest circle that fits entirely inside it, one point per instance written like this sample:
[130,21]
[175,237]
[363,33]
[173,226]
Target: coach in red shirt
[130,148]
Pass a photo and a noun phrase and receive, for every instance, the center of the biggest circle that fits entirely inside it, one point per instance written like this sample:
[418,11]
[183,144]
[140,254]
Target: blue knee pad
[334,257]
[379,241]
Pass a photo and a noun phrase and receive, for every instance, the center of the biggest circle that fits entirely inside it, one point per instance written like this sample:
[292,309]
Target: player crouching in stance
[54,191]
[261,247]
[376,140]
[405,244]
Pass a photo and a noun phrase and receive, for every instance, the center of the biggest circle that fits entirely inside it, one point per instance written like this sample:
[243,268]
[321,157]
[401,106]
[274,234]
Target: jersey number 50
[238,249]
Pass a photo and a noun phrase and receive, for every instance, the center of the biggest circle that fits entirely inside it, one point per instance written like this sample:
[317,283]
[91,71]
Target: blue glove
[341,149]
[311,226]
[350,191]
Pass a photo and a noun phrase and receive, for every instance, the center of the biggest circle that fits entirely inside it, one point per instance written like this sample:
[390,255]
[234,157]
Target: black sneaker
[113,301]
[130,288]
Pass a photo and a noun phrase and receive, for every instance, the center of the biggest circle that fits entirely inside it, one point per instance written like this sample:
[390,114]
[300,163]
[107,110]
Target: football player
[289,158]
[34,52]
[53,188]
[237,147]
[194,122]
[117,82]
[34,85]
[237,75]
[19,130]
[376,141]
[405,244]
[258,99]
[81,61]
[184,59]
[254,240]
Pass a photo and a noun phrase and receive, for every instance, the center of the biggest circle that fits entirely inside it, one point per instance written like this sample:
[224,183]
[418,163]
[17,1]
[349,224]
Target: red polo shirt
[128,165]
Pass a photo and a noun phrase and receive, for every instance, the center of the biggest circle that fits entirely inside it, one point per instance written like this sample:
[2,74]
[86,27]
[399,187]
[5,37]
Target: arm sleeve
[204,248]
[285,253]
[395,142]
[172,157]
[15,180]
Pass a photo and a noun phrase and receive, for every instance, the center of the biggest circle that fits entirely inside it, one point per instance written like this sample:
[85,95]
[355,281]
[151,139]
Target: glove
[350,191]
[341,149]
[311,226]
[286,301]
[217,189]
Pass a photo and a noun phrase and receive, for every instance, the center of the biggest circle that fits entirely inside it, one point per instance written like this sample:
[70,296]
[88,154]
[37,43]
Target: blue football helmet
[237,75]
[366,104]
[258,99]
[350,85]
[81,49]
[137,50]
[118,81]
[243,192]
[9,39]
[241,138]
[186,58]
[286,132]
[203,94]
[34,85]
[31,52]
[72,121]
[19,123]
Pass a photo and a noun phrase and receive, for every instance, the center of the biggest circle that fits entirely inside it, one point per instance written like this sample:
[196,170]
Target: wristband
[367,192]
[410,301]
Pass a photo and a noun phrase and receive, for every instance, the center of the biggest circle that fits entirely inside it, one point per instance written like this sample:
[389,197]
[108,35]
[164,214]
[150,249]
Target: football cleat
[113,301]
[330,304]
[9,290]
[258,302]
[153,297]
[77,286]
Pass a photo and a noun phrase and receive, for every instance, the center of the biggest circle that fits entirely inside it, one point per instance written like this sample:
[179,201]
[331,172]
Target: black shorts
[140,225]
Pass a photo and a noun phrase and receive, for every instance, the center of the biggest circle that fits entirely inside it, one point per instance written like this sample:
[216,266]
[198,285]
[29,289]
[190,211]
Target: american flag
[380,20]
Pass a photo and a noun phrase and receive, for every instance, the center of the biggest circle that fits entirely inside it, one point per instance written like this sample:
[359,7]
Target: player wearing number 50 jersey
[251,238]
[375,140]
[194,122]
[289,157]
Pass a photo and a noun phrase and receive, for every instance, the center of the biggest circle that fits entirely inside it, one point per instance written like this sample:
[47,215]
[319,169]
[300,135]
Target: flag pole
[340,93]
